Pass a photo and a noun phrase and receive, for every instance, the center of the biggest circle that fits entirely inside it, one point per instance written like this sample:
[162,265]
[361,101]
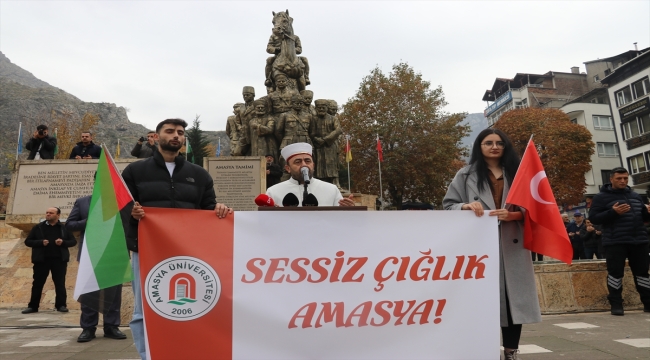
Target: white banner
[365,285]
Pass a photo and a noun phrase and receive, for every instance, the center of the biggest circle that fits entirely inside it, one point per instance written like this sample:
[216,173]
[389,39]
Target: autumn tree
[68,130]
[198,142]
[421,142]
[565,148]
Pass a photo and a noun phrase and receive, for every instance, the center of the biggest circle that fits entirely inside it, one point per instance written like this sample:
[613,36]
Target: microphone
[290,200]
[305,174]
[264,200]
[310,200]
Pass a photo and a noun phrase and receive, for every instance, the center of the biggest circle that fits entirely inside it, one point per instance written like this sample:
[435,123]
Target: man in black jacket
[142,149]
[86,148]
[164,180]
[49,242]
[89,316]
[41,145]
[273,171]
[621,212]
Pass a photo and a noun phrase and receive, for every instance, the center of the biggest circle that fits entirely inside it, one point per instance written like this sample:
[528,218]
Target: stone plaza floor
[51,335]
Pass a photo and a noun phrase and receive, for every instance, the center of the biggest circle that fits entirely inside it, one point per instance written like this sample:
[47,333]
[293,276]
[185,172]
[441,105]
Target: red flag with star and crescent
[544,230]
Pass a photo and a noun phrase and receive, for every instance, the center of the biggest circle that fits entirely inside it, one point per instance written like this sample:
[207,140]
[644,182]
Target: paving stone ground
[52,335]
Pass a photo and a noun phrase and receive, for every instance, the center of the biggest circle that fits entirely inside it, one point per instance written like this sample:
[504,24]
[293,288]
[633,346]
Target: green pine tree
[197,142]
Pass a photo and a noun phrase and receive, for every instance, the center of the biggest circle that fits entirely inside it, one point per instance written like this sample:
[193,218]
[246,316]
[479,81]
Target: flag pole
[347,143]
[381,195]
[20,135]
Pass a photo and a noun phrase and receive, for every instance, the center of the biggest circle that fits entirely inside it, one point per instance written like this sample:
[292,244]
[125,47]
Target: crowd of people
[614,229]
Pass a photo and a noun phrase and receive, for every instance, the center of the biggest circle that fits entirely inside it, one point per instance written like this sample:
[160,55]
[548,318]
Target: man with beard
[297,156]
[164,180]
[86,148]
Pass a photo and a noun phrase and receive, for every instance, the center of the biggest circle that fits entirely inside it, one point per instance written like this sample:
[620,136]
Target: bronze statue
[262,128]
[246,111]
[307,97]
[233,130]
[285,46]
[325,132]
[281,98]
[293,126]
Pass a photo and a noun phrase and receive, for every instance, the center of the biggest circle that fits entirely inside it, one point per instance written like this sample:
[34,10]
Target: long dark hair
[509,160]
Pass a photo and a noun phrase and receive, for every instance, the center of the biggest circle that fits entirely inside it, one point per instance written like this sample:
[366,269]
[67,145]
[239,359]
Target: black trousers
[512,333]
[537,257]
[41,270]
[637,256]
[578,251]
[90,317]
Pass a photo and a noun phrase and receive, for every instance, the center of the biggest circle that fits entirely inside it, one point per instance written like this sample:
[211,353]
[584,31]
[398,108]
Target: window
[607,72]
[630,129]
[605,174]
[645,123]
[603,122]
[624,96]
[607,149]
[596,78]
[575,121]
[641,88]
[640,125]
[637,163]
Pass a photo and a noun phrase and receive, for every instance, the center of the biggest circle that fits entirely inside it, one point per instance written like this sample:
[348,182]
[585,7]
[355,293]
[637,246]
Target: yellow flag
[117,151]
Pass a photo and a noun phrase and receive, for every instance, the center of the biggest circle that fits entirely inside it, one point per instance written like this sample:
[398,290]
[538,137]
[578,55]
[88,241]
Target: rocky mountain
[28,100]
[477,122]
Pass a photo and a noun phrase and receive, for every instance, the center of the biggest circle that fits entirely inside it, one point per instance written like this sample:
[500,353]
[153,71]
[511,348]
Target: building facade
[593,112]
[628,87]
[550,90]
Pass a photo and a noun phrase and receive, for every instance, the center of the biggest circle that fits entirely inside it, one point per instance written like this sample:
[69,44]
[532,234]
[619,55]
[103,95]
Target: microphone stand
[305,193]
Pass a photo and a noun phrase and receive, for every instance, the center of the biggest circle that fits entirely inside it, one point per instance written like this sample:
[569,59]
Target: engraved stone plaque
[237,180]
[37,185]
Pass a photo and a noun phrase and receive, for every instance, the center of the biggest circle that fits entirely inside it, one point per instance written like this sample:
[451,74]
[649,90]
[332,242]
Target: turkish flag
[544,230]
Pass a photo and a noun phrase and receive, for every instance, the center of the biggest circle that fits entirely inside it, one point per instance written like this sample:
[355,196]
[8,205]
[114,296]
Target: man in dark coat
[89,316]
[574,229]
[273,171]
[144,149]
[86,148]
[49,242]
[621,212]
[41,145]
[164,180]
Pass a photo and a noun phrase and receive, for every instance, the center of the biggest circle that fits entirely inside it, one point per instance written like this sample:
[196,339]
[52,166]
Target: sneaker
[62,309]
[114,333]
[29,310]
[617,309]
[86,335]
[511,355]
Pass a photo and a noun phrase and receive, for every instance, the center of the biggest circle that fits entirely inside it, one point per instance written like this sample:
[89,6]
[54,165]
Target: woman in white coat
[482,187]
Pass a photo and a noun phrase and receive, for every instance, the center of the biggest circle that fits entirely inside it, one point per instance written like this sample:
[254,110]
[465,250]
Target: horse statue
[286,46]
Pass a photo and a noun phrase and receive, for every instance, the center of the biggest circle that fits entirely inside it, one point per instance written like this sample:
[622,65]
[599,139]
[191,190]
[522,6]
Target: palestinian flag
[104,261]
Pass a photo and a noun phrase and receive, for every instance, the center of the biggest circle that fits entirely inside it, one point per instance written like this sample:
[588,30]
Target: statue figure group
[284,116]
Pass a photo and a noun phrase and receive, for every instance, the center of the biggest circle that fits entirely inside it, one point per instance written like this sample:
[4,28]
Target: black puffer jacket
[190,187]
[626,228]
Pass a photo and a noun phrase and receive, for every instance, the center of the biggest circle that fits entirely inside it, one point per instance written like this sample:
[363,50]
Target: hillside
[28,100]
